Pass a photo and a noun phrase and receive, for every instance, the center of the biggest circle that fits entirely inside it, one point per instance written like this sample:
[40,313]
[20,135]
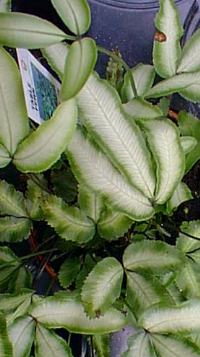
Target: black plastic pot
[129,26]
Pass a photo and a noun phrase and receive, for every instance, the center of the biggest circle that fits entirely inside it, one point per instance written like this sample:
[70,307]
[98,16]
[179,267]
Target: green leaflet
[4,156]
[21,334]
[166,52]
[34,196]
[43,147]
[102,345]
[181,194]
[56,57]
[67,312]
[93,168]
[144,291]
[143,75]
[22,278]
[164,142]
[168,346]
[21,310]
[176,319]
[69,271]
[186,84]
[90,202]
[48,343]
[188,143]
[28,31]
[151,255]
[69,222]
[113,224]
[11,201]
[5,5]
[79,64]
[102,286]
[12,106]
[101,112]
[188,281]
[5,344]
[139,108]
[189,125]
[189,245]
[189,61]
[14,229]
[139,345]
[12,301]
[75,14]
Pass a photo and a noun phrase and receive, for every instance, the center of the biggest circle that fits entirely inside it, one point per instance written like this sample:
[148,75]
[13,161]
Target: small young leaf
[93,168]
[190,125]
[69,222]
[28,31]
[75,14]
[167,49]
[11,201]
[79,64]
[56,56]
[143,75]
[181,194]
[189,61]
[186,84]
[43,147]
[167,346]
[113,224]
[90,203]
[176,319]
[139,345]
[151,255]
[101,112]
[68,271]
[12,105]
[68,312]
[48,343]
[14,229]
[164,141]
[139,108]
[188,143]
[5,344]
[21,334]
[102,286]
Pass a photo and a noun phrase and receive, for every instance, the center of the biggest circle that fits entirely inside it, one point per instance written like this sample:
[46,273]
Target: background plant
[95,196]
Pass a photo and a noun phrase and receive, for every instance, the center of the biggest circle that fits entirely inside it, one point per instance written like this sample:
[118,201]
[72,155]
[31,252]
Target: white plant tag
[41,89]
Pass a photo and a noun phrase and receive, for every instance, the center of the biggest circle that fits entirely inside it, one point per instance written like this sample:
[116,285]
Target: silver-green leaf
[189,61]
[21,334]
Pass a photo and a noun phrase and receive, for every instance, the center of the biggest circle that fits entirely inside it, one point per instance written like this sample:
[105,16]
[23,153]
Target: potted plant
[94,194]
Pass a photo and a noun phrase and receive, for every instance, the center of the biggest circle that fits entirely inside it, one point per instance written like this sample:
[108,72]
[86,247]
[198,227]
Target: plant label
[41,89]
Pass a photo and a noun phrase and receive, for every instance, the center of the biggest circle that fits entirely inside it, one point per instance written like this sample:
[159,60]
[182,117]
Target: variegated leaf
[79,64]
[68,312]
[48,343]
[12,301]
[56,56]
[68,271]
[90,202]
[164,141]
[4,156]
[151,255]
[5,5]
[102,345]
[175,319]
[102,286]
[14,124]
[43,147]
[139,108]
[143,76]
[181,194]
[187,244]
[101,112]
[21,334]
[28,31]
[69,222]
[167,49]
[113,224]
[139,345]
[14,229]
[93,168]
[188,281]
[167,346]
[75,14]
[188,144]
[189,61]
[11,201]
[5,343]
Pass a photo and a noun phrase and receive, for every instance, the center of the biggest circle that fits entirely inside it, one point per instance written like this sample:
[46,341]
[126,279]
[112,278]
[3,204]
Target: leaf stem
[32,255]
[123,63]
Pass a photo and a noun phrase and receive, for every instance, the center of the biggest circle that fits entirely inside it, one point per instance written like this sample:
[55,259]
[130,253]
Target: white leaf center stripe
[8,119]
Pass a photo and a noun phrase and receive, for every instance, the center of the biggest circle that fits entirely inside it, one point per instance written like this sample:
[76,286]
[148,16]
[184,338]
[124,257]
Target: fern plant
[94,191]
